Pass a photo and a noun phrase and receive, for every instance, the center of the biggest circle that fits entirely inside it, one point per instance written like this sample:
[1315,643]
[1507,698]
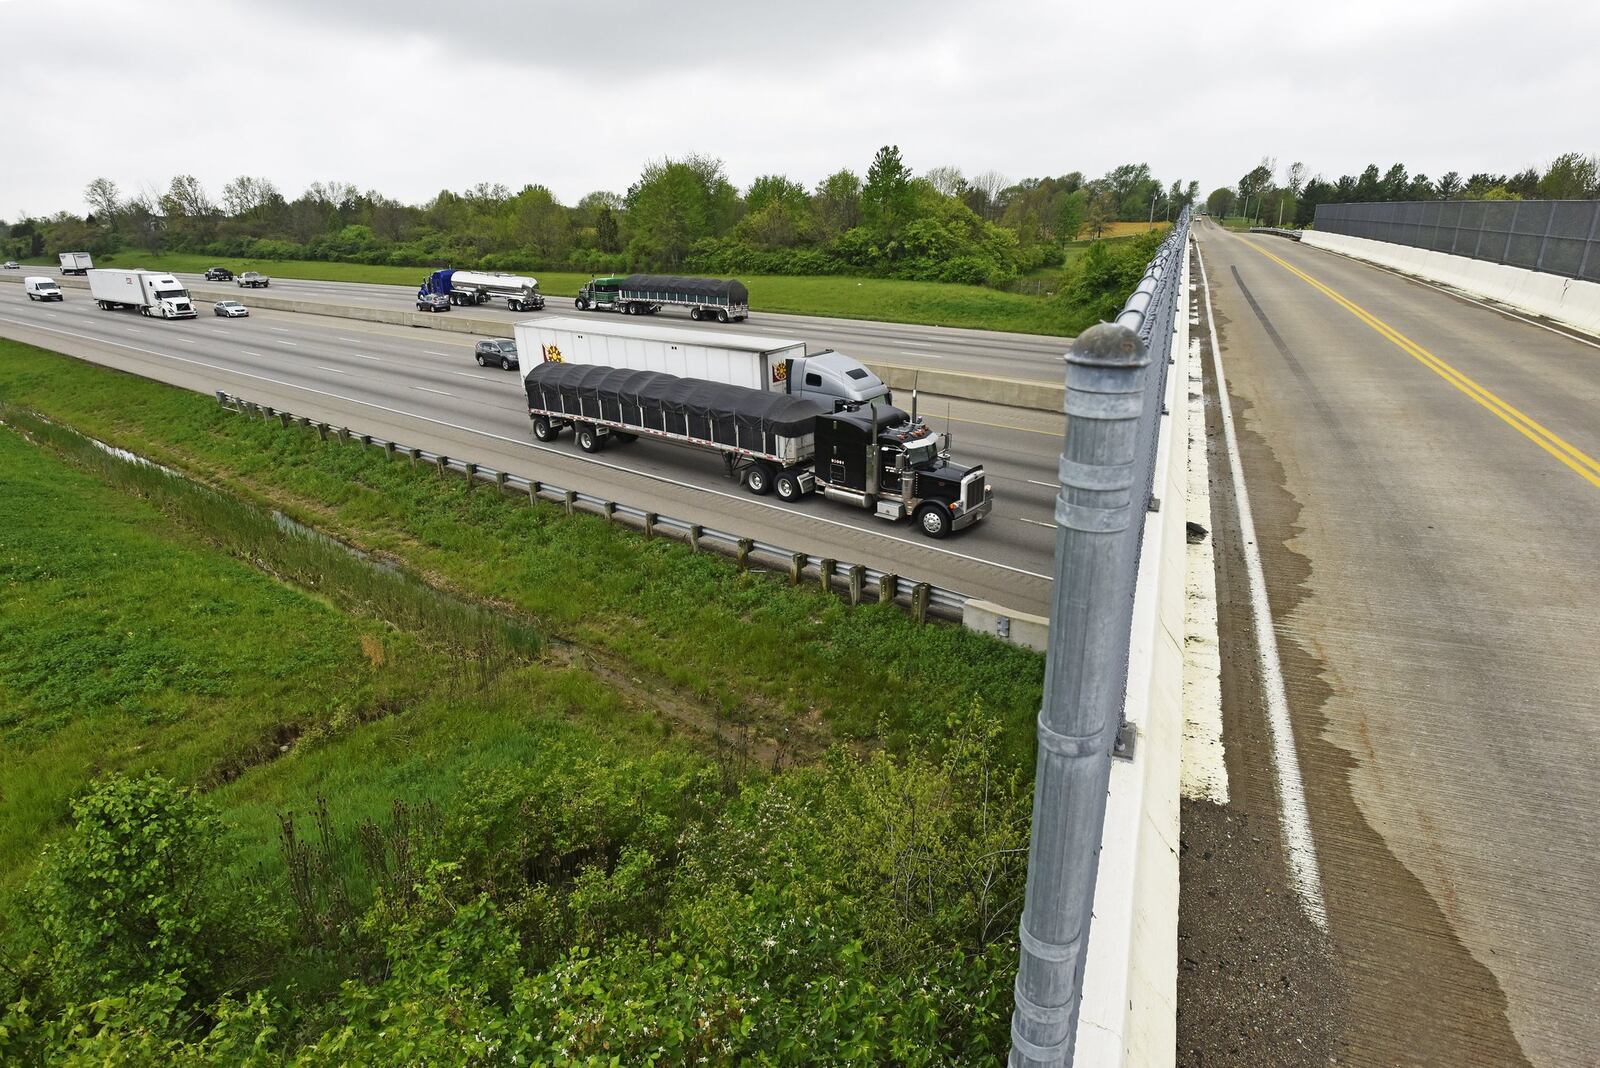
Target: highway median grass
[830,296]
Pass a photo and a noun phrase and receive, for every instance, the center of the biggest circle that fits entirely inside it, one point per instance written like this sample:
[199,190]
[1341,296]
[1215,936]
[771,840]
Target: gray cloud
[411,97]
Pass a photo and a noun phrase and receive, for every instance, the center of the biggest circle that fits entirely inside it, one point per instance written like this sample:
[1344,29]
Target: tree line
[1290,198]
[681,215]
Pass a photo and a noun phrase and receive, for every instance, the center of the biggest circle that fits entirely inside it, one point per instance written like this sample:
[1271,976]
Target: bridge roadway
[422,387]
[1426,492]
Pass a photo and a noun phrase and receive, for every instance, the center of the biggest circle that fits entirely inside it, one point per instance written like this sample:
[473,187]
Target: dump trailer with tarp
[875,457]
[646,294]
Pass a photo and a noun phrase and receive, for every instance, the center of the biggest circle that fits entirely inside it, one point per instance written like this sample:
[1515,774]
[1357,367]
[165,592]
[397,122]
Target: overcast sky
[410,97]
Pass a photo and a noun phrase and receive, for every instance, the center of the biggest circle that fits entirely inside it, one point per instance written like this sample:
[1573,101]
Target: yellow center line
[1573,457]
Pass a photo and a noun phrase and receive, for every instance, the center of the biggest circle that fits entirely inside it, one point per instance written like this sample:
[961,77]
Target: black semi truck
[872,456]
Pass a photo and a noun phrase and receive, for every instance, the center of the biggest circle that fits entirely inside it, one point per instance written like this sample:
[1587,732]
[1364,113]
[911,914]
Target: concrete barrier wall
[1014,393]
[1130,1002]
[1563,300]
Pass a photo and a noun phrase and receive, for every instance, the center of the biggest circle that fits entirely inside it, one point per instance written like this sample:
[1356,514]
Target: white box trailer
[154,293]
[779,365]
[75,262]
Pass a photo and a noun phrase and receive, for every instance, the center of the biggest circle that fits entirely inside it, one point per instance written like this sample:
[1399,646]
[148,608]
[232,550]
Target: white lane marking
[924,355]
[247,352]
[335,370]
[353,341]
[480,378]
[291,344]
[1297,840]
[430,352]
[1046,485]
[364,356]
[441,392]
[280,330]
[183,340]
[536,447]
[1035,522]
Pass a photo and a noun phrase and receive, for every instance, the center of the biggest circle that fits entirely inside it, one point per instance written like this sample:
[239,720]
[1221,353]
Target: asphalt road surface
[421,387]
[1426,492]
[1029,357]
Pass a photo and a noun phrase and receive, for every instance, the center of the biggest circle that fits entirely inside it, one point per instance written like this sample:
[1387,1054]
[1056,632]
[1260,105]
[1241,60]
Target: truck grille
[972,489]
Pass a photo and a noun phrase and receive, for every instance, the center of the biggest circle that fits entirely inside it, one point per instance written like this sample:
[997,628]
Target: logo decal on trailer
[780,370]
[552,354]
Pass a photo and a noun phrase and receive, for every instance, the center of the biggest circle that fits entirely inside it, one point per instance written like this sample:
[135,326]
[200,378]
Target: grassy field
[794,661]
[880,299]
[586,818]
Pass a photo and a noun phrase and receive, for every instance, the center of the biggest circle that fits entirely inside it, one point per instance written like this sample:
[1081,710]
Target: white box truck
[154,293]
[75,262]
[779,365]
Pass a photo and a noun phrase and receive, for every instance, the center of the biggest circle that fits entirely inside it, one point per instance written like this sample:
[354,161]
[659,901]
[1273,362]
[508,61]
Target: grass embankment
[520,855]
[839,297]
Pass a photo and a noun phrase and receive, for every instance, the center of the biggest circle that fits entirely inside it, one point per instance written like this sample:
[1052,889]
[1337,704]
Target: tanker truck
[873,456]
[480,287]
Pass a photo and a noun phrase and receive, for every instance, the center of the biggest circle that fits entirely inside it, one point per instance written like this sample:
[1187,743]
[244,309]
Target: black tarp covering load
[709,411]
[679,287]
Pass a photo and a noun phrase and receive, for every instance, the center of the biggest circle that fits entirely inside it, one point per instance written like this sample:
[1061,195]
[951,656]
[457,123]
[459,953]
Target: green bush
[131,894]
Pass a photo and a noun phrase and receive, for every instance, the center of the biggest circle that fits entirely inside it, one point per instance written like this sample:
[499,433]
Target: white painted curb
[1128,1017]
[1564,300]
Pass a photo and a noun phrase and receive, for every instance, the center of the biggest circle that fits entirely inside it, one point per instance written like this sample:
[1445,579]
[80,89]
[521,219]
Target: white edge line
[441,392]
[247,352]
[534,446]
[1298,843]
[364,356]
[335,370]
[1571,333]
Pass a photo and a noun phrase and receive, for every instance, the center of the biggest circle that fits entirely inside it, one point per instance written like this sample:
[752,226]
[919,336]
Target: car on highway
[433,302]
[218,274]
[230,309]
[42,289]
[13,265]
[501,351]
[253,280]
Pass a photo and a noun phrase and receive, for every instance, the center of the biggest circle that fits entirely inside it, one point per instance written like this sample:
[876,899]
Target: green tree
[886,198]
[104,200]
[1449,186]
[1070,214]
[1220,202]
[1101,213]
[607,235]
[836,204]
[1571,176]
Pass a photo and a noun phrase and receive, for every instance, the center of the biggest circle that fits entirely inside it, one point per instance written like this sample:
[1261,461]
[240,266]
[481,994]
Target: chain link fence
[1551,236]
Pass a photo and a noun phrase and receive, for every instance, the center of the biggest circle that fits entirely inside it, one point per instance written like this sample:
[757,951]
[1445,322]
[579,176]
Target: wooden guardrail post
[797,567]
[414,455]
[888,588]
[745,545]
[441,464]
[322,431]
[858,577]
[919,601]
[650,525]
[609,510]
[695,530]
[825,570]
[472,474]
[571,497]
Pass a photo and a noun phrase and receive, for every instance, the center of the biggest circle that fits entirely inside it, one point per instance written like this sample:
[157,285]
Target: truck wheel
[722,316]
[934,519]
[589,439]
[759,479]
[543,430]
[694,313]
[788,486]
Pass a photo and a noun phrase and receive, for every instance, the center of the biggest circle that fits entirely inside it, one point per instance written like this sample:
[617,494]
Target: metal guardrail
[1115,384]
[920,599]
[1276,231]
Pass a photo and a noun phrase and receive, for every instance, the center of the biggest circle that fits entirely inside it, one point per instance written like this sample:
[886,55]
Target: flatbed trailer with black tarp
[875,457]
[724,300]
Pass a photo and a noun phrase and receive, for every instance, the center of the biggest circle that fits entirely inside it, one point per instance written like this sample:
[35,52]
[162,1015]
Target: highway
[1426,494]
[1029,357]
[422,387]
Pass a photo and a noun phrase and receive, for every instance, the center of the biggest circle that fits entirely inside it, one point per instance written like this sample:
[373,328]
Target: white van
[41,289]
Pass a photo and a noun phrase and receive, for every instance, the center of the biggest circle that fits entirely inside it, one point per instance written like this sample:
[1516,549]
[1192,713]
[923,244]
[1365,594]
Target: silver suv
[496,350]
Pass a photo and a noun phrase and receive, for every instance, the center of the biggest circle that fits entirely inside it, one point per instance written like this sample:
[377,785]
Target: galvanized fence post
[1098,515]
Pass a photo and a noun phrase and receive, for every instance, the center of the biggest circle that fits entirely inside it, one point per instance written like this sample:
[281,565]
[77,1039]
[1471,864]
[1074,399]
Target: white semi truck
[75,262]
[778,365]
[154,293]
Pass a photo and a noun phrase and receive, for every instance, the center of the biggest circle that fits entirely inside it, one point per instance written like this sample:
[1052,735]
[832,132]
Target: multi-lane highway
[423,388]
[1426,493]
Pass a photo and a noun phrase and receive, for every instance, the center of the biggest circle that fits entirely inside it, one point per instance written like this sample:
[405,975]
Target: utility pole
[1153,206]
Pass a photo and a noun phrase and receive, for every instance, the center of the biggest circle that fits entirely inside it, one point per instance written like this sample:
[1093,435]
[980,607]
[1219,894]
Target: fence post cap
[1108,345]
